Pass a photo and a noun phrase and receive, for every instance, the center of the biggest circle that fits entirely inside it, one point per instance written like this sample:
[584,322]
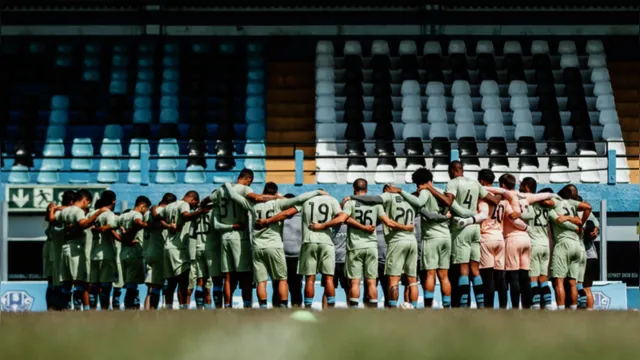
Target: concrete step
[291,110]
[291,96]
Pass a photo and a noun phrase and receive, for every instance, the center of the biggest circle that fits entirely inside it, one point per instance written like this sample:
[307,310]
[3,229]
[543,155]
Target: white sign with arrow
[20,198]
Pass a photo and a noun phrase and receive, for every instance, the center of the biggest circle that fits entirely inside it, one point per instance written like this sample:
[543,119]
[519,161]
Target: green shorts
[47,270]
[362,259]
[133,271]
[73,265]
[119,280]
[583,263]
[213,256]
[465,244]
[269,263]
[200,266]
[154,275]
[436,254]
[566,260]
[539,261]
[103,271]
[402,258]
[236,256]
[55,265]
[317,258]
[176,262]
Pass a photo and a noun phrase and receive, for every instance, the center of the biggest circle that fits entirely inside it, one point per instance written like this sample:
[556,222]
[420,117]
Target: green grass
[339,334]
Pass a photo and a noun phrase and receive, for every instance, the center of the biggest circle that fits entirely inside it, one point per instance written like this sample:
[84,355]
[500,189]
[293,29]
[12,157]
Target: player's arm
[585,207]
[237,198]
[220,226]
[434,216]
[535,198]
[500,191]
[352,223]
[596,224]
[366,199]
[416,201]
[394,225]
[483,215]
[339,219]
[564,222]
[487,196]
[86,223]
[518,223]
[298,200]
[448,198]
[260,198]
[530,214]
[461,211]
[281,216]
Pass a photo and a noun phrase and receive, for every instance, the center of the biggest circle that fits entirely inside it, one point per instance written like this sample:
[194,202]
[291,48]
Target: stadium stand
[538,108]
[190,105]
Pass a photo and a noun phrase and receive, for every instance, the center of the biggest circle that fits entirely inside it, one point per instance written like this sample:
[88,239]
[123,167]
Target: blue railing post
[144,167]
[299,164]
[611,167]
[455,155]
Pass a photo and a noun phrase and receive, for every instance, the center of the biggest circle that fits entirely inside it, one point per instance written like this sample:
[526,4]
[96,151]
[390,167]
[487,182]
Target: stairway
[625,80]
[290,118]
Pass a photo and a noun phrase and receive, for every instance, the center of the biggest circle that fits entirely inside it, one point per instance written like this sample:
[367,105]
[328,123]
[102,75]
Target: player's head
[387,187]
[142,204]
[455,169]
[528,185]
[507,181]
[360,186]
[421,177]
[168,198]
[270,188]
[546,203]
[108,198]
[67,197]
[568,192]
[486,177]
[82,199]
[192,198]
[245,177]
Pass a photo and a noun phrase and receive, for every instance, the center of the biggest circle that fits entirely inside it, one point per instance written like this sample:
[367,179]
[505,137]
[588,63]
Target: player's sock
[535,299]
[514,288]
[78,294]
[372,303]
[199,295]
[184,307]
[94,291]
[136,298]
[331,301]
[393,303]
[487,275]
[65,298]
[478,291]
[154,298]
[574,307]
[217,296]
[228,306]
[501,288]
[247,304]
[262,303]
[560,307]
[525,288]
[414,304]
[354,303]
[308,302]
[115,300]
[582,296]
[131,296]
[105,295]
[545,291]
[428,299]
[446,302]
[463,286]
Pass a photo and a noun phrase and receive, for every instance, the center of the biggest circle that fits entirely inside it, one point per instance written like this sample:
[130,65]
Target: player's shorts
[436,253]
[269,263]
[339,278]
[133,271]
[591,273]
[402,258]
[539,261]
[200,266]
[176,262]
[317,258]
[465,244]
[236,256]
[566,260]
[517,252]
[583,266]
[73,266]
[103,271]
[154,275]
[120,279]
[213,255]
[55,264]
[492,254]
[361,261]
[47,271]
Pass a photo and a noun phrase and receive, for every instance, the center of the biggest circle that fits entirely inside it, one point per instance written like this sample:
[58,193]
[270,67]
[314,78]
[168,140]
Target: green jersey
[229,212]
[365,215]
[401,212]
[70,217]
[200,229]
[154,237]
[466,191]
[55,234]
[538,222]
[434,223]
[173,215]
[563,232]
[103,247]
[318,210]
[136,250]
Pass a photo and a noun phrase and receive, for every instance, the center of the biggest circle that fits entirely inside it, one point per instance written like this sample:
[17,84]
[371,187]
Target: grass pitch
[338,334]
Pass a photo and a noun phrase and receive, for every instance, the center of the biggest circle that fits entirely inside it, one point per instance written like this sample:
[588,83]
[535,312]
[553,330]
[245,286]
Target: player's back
[173,215]
[564,208]
[365,215]
[398,209]
[231,213]
[539,225]
[491,229]
[200,228]
[319,209]
[270,236]
[432,229]
[127,221]
[154,234]
[70,217]
[467,191]
[103,247]
[520,203]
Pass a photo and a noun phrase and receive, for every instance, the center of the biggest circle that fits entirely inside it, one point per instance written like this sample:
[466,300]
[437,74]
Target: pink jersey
[492,228]
[520,202]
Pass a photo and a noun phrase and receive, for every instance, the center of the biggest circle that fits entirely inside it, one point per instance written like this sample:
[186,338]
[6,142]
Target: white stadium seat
[355,172]
[407,47]
[352,47]
[434,88]
[597,61]
[325,115]
[600,74]
[518,87]
[489,87]
[411,168]
[325,74]
[588,164]
[493,116]
[410,87]
[519,102]
[326,132]
[609,116]
[602,88]
[324,88]
[324,61]
[439,130]
[462,102]
[569,61]
[484,47]
[326,101]
[463,116]
[594,47]
[465,130]
[324,47]
[411,115]
[432,47]
[411,101]
[379,47]
[384,174]
[436,102]
[437,115]
[512,47]
[522,116]
[605,102]
[490,102]
[539,47]
[524,130]
[566,47]
[612,132]
[460,87]
[495,130]
[412,131]
[457,47]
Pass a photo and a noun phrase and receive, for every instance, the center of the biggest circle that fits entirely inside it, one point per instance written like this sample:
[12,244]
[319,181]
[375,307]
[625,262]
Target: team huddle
[494,239]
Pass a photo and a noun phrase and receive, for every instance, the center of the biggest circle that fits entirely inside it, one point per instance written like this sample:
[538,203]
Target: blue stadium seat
[221,177]
[19,174]
[227,48]
[168,148]
[255,102]
[119,74]
[145,62]
[119,61]
[91,75]
[145,47]
[201,48]
[118,87]
[195,175]
[169,88]
[171,48]
[255,62]
[255,75]
[254,48]
[169,102]
[36,47]
[120,48]
[142,116]
[144,88]
[170,75]
[170,61]
[111,148]
[59,102]
[169,116]
[92,48]
[46,175]
[138,145]
[256,132]
[255,116]
[81,147]
[59,117]
[108,170]
[142,102]
[145,75]
[255,89]
[165,175]
[113,131]
[64,62]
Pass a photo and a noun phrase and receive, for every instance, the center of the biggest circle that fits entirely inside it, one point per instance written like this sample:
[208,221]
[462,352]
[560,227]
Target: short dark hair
[486,175]
[107,197]
[360,184]
[566,192]
[530,183]
[126,211]
[143,200]
[422,176]
[289,196]
[546,190]
[168,198]
[192,193]
[455,164]
[578,198]
[83,194]
[246,174]
[508,180]
[270,188]
[67,197]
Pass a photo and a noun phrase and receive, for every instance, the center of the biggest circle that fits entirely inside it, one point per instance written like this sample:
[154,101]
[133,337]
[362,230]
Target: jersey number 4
[468,199]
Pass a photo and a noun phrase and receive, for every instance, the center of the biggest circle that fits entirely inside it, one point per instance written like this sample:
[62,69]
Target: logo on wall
[601,301]
[16,301]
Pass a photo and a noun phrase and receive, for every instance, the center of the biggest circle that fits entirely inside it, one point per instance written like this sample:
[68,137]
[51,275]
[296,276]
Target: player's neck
[360,193]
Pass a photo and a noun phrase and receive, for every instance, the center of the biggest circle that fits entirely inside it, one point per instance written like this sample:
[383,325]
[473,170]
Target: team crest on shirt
[601,300]
[357,204]
[398,199]
[16,301]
